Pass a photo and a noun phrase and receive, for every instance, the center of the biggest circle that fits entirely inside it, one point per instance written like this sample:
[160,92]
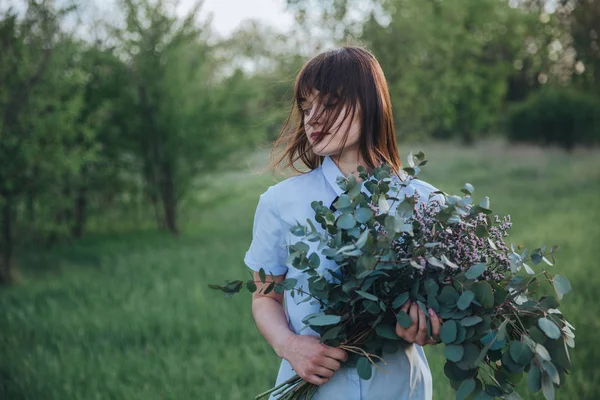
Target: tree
[40,100]
[186,116]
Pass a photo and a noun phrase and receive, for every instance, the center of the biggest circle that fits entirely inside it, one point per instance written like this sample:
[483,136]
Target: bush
[556,116]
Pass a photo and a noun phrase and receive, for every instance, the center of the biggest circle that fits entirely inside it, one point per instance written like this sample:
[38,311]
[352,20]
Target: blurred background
[133,136]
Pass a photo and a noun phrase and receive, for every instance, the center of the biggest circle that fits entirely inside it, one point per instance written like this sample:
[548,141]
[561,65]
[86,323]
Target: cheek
[354,131]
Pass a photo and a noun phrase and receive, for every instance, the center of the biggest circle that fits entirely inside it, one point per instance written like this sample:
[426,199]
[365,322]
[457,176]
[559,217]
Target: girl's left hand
[417,332]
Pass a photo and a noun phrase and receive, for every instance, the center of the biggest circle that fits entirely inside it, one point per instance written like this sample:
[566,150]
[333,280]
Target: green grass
[129,316]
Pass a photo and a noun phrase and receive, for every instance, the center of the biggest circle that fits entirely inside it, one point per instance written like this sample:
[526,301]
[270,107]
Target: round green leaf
[475,271]
[362,239]
[363,214]
[482,395]
[454,373]
[471,357]
[467,189]
[520,352]
[400,300]
[367,261]
[483,293]
[549,328]
[404,319]
[366,295]
[465,299]
[534,378]
[562,285]
[290,283]
[322,320]
[448,331]
[346,221]
[331,333]
[431,287]
[343,201]
[454,352]
[551,370]
[363,367]
[447,295]
[386,331]
[542,352]
[465,389]
[470,321]
[509,364]
[461,335]
[314,260]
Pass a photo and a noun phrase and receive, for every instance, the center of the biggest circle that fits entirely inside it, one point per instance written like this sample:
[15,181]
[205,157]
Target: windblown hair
[347,77]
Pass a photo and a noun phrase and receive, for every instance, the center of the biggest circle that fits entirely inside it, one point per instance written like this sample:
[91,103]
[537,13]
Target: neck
[348,163]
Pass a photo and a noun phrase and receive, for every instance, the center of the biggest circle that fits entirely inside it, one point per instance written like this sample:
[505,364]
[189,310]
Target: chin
[324,152]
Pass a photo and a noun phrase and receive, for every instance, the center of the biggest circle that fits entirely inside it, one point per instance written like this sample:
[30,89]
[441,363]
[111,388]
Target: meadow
[127,314]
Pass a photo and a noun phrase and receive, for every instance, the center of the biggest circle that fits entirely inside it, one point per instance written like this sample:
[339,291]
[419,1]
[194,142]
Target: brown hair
[353,78]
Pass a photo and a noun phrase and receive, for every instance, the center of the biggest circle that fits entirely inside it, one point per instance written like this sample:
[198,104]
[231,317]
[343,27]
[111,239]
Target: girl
[341,118]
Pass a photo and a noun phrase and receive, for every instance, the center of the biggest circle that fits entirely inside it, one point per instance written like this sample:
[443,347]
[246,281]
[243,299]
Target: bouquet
[447,254]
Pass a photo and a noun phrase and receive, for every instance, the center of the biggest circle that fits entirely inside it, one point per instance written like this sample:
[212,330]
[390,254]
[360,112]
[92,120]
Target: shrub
[556,116]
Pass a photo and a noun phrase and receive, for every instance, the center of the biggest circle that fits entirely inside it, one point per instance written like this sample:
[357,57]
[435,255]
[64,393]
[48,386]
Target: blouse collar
[332,173]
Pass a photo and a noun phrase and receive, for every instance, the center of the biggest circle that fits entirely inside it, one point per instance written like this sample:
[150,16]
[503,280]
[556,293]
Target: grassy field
[129,316]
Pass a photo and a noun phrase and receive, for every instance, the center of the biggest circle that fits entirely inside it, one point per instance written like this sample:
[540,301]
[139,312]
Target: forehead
[309,97]
[313,96]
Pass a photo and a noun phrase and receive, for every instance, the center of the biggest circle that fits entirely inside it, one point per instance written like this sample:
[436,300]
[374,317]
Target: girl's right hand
[313,361]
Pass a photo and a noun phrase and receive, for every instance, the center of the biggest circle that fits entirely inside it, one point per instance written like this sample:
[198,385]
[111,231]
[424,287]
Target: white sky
[227,14]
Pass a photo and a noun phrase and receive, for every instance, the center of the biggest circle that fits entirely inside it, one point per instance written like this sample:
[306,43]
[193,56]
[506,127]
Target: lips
[317,135]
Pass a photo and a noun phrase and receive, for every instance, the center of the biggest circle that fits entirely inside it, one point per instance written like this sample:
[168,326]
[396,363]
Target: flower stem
[290,382]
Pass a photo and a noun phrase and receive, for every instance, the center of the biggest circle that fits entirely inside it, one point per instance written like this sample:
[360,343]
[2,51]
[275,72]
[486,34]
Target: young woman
[341,118]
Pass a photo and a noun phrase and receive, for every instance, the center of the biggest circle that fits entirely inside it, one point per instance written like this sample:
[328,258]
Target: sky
[227,14]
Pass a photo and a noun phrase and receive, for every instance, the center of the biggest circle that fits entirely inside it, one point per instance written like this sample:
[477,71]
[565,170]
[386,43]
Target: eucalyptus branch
[280,284]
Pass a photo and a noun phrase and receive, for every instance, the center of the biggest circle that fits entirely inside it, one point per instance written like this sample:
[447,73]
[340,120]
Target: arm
[313,361]
[269,315]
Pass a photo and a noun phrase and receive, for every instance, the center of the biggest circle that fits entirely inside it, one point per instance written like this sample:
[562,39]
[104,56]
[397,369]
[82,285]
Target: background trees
[119,128]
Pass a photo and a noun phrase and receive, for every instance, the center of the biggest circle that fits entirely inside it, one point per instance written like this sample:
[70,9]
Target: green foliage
[125,123]
[556,116]
[485,306]
[157,325]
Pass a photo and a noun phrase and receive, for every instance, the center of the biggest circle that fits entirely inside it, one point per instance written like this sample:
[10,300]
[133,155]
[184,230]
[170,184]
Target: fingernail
[430,311]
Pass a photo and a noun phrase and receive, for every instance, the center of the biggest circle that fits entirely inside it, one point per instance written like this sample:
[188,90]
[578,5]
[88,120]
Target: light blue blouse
[407,374]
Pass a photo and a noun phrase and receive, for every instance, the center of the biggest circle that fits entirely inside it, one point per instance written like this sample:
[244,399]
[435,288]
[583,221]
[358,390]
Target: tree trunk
[80,203]
[160,221]
[80,213]
[6,241]
[169,199]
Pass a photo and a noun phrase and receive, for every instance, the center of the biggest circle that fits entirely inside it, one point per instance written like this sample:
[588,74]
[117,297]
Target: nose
[313,116]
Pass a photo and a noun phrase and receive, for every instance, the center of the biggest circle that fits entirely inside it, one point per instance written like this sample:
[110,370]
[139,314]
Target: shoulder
[293,185]
[425,190]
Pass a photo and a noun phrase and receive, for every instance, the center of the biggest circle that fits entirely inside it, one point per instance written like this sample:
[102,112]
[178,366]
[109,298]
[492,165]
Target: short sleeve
[426,192]
[267,249]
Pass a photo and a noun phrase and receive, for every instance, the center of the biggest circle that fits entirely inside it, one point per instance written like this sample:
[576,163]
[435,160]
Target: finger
[323,372]
[316,380]
[422,332]
[400,331]
[414,316]
[405,306]
[431,341]
[435,324]
[331,363]
[336,354]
